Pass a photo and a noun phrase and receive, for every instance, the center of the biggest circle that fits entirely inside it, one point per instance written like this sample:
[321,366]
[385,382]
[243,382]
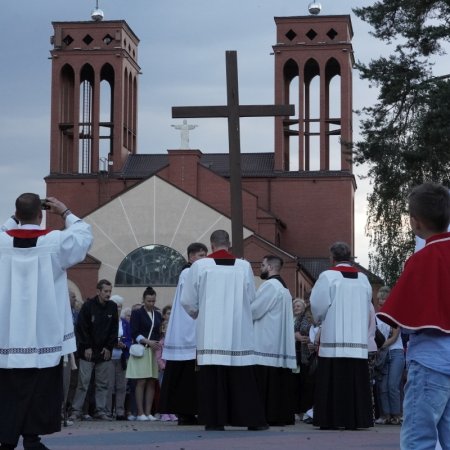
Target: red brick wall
[85,276]
[183,168]
[315,211]
[83,196]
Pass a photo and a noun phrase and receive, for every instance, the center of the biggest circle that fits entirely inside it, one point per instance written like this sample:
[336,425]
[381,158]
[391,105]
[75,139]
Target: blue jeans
[426,409]
[390,386]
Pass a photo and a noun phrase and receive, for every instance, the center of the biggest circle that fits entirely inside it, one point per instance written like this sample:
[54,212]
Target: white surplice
[274,326]
[180,343]
[341,305]
[36,326]
[219,296]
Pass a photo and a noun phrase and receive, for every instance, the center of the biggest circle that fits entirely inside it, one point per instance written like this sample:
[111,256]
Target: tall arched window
[151,265]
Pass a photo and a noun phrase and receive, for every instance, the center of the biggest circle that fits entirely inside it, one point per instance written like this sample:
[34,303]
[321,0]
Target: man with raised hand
[36,328]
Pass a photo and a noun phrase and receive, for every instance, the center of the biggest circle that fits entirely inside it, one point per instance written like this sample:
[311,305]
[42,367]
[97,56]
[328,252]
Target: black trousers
[342,397]
[31,402]
[229,396]
[276,386]
[179,388]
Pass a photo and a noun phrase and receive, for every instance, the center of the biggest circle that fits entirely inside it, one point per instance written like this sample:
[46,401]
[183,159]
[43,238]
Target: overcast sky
[182,57]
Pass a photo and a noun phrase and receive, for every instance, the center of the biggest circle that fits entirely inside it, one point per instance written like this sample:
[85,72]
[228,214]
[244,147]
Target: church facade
[146,208]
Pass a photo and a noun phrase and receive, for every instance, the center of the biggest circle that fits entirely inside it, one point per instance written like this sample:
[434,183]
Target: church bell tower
[313,70]
[93,97]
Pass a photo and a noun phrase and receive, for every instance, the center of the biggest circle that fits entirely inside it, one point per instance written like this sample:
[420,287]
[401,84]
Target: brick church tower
[309,47]
[93,110]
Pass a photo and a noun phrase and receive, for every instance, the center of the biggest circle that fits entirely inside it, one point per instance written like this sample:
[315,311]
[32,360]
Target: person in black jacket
[96,331]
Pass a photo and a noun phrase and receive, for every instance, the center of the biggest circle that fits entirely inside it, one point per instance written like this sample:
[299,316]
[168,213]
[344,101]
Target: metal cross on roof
[233,111]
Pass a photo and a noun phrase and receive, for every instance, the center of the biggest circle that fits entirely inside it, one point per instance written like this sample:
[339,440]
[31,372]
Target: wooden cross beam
[233,111]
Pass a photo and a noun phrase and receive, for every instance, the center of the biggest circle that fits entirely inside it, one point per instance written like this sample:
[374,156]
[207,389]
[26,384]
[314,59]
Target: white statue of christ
[184,133]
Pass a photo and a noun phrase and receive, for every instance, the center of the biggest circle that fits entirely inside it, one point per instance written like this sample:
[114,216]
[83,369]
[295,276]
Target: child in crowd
[162,366]
[419,304]
[166,313]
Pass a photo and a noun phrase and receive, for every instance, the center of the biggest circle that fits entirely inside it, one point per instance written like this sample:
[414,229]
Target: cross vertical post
[234,142]
[233,111]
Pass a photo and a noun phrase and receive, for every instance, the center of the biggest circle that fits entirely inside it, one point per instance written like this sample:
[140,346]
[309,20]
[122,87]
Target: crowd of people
[226,353]
[282,371]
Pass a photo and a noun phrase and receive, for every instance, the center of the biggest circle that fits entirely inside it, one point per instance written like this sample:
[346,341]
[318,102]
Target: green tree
[406,134]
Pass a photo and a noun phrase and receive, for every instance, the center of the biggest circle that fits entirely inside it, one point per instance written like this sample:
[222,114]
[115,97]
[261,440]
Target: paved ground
[170,436]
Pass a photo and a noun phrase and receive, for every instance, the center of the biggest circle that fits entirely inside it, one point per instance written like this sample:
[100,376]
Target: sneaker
[395,421]
[152,418]
[67,423]
[104,417]
[131,418]
[142,418]
[173,417]
[381,421]
[86,417]
[165,418]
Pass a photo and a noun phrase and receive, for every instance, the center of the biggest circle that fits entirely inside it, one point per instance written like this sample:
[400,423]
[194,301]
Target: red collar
[27,234]
[221,254]
[344,269]
[438,237]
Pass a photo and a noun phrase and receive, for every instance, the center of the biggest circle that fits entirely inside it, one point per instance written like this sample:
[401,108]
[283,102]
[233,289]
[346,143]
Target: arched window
[151,265]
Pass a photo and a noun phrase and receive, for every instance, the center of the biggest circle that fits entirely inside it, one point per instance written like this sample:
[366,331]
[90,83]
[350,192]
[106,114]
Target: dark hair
[102,283]
[28,207]
[220,238]
[196,247]
[430,203]
[166,308]
[340,251]
[148,291]
[275,261]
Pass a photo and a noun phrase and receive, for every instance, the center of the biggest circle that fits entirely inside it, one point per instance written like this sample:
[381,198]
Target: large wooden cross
[233,111]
